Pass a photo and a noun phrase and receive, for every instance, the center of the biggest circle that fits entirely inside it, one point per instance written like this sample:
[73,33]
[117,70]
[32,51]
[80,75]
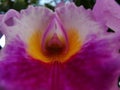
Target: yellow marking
[75,43]
[35,51]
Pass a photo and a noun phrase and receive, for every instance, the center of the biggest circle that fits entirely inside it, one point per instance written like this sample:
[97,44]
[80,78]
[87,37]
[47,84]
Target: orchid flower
[68,49]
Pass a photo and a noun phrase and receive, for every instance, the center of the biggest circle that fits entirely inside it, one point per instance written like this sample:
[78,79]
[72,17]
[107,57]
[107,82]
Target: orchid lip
[54,46]
[54,42]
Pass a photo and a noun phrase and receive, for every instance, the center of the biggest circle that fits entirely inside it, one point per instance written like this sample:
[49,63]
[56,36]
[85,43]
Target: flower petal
[7,20]
[95,67]
[80,26]
[107,12]
[28,25]
[88,68]
[77,19]
[29,21]
[21,72]
[1,16]
[24,74]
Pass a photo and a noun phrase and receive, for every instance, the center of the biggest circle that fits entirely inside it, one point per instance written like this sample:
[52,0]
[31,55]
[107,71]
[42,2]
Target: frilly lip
[36,26]
[54,38]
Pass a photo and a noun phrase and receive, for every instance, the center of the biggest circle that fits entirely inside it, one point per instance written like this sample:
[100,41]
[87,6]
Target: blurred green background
[5,5]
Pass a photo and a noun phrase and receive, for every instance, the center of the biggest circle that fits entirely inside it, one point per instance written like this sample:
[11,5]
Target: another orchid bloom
[62,50]
[108,12]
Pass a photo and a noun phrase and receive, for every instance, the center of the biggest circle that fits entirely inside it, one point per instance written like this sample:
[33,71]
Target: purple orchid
[68,49]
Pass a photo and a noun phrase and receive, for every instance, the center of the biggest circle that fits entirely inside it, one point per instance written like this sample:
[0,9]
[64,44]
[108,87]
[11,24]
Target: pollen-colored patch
[34,47]
[57,51]
[75,43]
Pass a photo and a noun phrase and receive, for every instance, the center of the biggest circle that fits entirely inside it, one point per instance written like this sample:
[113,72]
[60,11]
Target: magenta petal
[18,71]
[24,75]
[96,67]
[21,72]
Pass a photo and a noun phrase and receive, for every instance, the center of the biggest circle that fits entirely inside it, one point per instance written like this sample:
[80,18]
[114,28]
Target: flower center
[54,46]
[54,43]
